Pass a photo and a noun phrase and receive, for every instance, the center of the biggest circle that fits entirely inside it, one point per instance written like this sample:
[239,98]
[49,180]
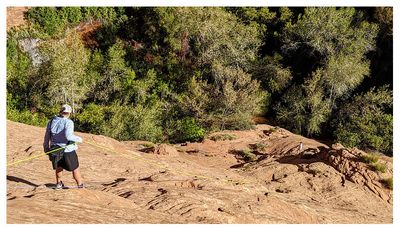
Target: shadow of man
[17,179]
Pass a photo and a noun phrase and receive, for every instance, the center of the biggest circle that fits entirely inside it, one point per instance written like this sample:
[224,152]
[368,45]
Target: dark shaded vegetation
[175,74]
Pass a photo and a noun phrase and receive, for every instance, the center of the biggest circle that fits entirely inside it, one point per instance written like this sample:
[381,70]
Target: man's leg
[77,176]
[58,174]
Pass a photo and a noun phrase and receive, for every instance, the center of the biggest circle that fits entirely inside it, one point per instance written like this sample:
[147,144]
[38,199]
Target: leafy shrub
[272,75]
[27,117]
[108,14]
[121,122]
[91,118]
[366,121]
[248,155]
[236,97]
[187,129]
[218,137]
[54,20]
[212,39]
[348,138]
[126,122]
[228,103]
[370,158]
[224,95]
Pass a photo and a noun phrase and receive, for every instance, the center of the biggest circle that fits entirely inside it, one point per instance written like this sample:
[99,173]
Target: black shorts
[66,160]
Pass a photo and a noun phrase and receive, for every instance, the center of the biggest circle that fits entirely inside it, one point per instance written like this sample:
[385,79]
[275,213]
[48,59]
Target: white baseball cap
[66,108]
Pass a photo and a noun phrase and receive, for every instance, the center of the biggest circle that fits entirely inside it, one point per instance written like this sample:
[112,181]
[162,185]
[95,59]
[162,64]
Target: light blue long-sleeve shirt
[62,131]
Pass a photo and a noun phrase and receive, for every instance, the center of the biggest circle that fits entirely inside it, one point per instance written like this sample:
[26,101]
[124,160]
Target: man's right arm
[69,132]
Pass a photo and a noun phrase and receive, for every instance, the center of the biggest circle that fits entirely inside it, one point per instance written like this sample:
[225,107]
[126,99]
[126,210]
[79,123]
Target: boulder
[309,153]
[337,146]
[166,150]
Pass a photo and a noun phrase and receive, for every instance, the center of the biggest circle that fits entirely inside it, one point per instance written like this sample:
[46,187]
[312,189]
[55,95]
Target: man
[59,134]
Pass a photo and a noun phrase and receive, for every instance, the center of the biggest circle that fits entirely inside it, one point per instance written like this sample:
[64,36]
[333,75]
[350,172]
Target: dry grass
[148,145]
[248,155]
[274,129]
[222,137]
[379,167]
[370,158]
[388,182]
[260,146]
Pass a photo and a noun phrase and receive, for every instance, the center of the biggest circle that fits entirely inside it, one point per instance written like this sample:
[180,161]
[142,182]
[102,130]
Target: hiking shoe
[59,185]
[81,186]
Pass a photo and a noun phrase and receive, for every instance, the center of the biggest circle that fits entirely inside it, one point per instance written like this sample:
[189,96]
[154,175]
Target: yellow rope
[34,157]
[135,157]
[139,158]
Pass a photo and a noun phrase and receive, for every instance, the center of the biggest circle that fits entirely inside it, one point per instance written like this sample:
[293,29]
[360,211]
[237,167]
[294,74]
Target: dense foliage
[367,121]
[176,73]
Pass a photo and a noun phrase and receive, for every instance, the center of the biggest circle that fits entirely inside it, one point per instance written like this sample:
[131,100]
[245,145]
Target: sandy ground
[207,182]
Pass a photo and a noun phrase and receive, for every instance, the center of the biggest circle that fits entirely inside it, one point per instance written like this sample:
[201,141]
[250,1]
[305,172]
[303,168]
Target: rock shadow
[305,158]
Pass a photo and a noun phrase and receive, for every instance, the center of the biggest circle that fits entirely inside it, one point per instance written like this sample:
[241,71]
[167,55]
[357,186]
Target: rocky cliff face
[254,176]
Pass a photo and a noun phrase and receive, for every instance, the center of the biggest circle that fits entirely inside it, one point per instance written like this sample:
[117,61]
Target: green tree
[257,16]
[367,121]
[273,76]
[92,117]
[186,70]
[222,47]
[72,15]
[382,58]
[65,70]
[115,75]
[341,40]
[128,122]
[19,72]
[46,19]
[235,98]
[213,35]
